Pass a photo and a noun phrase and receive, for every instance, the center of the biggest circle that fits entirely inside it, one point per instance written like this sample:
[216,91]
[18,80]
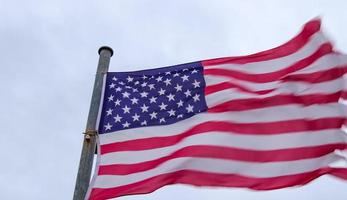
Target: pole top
[105,48]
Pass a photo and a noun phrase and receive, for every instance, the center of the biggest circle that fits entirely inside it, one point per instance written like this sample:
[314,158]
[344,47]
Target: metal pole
[89,141]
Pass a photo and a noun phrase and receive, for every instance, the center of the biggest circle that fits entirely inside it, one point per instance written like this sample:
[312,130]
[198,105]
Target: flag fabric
[265,121]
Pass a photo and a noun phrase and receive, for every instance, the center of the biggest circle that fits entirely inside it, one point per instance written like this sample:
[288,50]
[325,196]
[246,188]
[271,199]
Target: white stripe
[251,116]
[289,88]
[215,79]
[209,165]
[327,62]
[276,64]
[223,139]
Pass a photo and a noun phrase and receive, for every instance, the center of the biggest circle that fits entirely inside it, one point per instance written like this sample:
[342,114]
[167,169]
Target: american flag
[264,121]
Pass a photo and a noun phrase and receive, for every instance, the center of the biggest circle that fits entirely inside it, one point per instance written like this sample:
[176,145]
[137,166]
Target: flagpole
[89,141]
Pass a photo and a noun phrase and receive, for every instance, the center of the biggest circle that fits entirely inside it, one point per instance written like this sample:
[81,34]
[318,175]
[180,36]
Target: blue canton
[152,97]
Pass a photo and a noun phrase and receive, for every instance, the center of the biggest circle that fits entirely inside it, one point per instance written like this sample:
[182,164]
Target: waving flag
[264,121]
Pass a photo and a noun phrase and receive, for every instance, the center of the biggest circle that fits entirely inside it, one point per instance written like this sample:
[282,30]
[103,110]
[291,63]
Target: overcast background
[48,58]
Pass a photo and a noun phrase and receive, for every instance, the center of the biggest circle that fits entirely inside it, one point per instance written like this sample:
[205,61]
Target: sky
[48,59]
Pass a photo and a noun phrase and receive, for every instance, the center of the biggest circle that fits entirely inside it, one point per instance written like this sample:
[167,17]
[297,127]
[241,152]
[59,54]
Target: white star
[153,100]
[110,98]
[126,109]
[122,83]
[194,71]
[144,94]
[136,117]
[117,102]
[196,84]
[126,94]
[151,86]
[144,123]
[160,78]
[179,116]
[118,89]
[196,97]
[126,125]
[134,100]
[128,87]
[130,79]
[135,90]
[171,97]
[112,85]
[144,77]
[144,108]
[162,106]
[161,91]
[153,115]
[109,112]
[144,84]
[117,118]
[137,82]
[189,108]
[167,73]
[185,78]
[178,87]
[114,78]
[171,112]
[185,69]
[176,74]
[188,93]
[162,120]
[167,82]
[108,126]
[180,103]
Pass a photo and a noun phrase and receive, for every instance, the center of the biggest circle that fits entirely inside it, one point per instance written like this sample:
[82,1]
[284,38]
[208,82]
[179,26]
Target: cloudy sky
[48,58]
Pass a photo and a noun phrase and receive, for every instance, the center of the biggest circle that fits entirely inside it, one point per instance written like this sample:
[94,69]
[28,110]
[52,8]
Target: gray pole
[89,141]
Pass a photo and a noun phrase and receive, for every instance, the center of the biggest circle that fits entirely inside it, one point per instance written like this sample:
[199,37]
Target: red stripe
[344,95]
[198,178]
[229,153]
[286,49]
[227,85]
[272,76]
[255,103]
[316,77]
[264,128]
